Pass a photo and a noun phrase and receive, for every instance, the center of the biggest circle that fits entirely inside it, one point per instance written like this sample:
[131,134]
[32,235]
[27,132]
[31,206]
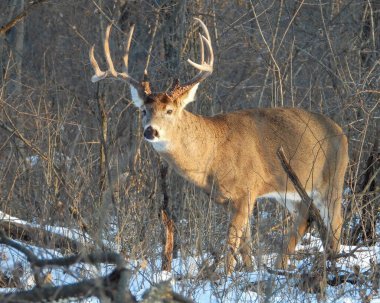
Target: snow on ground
[239,287]
[64,231]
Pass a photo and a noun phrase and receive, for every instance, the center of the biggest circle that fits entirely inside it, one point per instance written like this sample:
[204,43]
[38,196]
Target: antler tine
[99,74]
[126,55]
[107,53]
[204,27]
[206,64]
[202,49]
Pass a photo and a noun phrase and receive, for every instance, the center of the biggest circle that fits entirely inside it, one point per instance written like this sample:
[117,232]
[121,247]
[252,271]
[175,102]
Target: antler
[111,72]
[206,66]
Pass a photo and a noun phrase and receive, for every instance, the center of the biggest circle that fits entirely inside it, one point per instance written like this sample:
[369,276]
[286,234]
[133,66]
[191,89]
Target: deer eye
[143,112]
[169,111]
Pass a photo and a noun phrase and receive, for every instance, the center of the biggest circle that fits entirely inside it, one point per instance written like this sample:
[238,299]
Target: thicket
[72,152]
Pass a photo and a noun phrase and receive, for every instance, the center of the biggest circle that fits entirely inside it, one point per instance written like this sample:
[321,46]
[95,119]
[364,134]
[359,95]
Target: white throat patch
[160,146]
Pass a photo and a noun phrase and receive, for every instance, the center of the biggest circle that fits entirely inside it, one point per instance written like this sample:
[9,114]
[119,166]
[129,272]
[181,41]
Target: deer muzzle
[150,133]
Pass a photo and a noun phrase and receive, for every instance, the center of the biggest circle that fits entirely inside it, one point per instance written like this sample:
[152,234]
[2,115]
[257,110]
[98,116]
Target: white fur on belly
[290,200]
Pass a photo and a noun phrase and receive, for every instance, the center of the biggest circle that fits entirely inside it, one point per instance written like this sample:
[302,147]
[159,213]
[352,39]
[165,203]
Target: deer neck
[194,148]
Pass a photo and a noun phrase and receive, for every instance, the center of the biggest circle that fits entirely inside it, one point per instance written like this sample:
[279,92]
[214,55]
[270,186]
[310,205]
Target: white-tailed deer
[233,155]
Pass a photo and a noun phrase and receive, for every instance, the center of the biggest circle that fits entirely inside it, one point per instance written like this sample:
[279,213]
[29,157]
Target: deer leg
[246,249]
[335,235]
[235,235]
[295,232]
[334,224]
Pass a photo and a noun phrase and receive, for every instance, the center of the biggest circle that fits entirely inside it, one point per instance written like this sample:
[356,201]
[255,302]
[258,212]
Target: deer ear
[137,99]
[188,96]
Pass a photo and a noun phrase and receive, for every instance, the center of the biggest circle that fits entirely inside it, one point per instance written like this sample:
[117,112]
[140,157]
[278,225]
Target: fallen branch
[107,286]
[35,235]
[92,258]
[332,279]
[113,286]
[313,212]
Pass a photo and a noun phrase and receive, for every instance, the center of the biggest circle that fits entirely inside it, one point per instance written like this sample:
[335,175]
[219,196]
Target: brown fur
[233,155]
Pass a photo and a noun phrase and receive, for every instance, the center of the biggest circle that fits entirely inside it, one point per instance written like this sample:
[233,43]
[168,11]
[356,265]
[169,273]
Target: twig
[348,254]
[151,43]
[5,28]
[277,69]
[14,131]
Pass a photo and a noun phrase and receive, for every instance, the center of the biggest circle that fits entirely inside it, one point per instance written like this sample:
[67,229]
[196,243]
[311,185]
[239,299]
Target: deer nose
[150,133]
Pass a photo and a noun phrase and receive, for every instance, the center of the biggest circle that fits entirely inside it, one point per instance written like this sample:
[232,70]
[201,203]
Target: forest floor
[353,278]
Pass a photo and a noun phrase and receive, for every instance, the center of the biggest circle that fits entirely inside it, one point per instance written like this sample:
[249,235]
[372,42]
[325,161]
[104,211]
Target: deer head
[161,111]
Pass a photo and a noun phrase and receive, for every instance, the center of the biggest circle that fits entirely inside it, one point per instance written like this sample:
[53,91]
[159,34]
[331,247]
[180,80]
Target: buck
[233,156]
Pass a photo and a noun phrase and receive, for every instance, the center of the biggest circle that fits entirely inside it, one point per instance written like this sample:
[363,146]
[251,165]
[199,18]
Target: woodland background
[72,152]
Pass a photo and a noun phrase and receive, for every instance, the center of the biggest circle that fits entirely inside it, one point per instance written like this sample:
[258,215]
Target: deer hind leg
[294,233]
[333,221]
[336,227]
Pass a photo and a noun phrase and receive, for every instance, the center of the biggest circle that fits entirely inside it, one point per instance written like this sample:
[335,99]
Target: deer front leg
[294,233]
[237,229]
[246,247]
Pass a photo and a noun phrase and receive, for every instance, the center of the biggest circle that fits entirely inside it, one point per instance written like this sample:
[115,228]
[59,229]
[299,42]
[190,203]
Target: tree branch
[33,234]
[313,212]
[113,286]
[5,28]
[92,258]
[98,287]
